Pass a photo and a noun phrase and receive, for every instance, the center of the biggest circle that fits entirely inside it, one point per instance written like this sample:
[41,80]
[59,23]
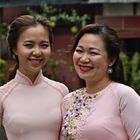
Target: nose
[37,51]
[84,58]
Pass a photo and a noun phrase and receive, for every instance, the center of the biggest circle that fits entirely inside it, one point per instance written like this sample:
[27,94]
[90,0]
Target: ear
[112,61]
[15,51]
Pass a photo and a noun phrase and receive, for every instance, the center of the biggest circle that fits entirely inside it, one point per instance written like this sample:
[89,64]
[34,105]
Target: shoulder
[72,95]
[125,94]
[62,88]
[6,89]
[69,100]
[123,90]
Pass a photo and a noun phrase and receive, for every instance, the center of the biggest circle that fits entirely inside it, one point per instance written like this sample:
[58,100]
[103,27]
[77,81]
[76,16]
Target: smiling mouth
[85,68]
[35,61]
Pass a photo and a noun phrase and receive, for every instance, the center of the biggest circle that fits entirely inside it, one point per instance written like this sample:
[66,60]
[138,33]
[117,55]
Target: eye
[28,45]
[44,46]
[94,53]
[78,50]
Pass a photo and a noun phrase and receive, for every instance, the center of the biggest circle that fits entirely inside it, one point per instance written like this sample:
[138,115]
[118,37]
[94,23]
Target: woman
[30,103]
[105,109]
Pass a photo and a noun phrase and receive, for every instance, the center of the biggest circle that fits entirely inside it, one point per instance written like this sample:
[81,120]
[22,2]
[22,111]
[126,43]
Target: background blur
[66,18]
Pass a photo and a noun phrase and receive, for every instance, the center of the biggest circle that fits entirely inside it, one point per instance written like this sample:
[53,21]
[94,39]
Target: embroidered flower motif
[78,111]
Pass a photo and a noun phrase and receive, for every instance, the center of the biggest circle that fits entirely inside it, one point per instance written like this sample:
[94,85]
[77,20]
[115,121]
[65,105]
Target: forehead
[33,31]
[34,27]
[89,40]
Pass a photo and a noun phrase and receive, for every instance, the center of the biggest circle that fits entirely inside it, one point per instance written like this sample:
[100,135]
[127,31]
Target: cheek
[47,53]
[22,54]
[101,63]
[75,57]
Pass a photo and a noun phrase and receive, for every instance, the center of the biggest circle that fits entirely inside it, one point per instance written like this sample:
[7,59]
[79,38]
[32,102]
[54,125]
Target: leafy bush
[3,30]
[3,67]
[2,134]
[135,69]
[58,16]
[132,70]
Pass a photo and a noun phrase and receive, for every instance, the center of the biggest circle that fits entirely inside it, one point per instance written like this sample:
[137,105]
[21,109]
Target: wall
[118,9]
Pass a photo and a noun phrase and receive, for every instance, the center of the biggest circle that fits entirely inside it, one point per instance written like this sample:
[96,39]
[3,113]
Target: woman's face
[33,49]
[90,58]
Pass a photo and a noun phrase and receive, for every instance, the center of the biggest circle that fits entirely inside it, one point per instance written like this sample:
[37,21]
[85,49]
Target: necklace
[77,111]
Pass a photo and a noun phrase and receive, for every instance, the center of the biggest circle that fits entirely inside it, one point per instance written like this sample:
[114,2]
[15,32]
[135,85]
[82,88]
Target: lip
[35,62]
[85,68]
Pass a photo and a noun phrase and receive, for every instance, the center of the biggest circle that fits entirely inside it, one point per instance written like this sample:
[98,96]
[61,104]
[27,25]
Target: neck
[31,75]
[93,87]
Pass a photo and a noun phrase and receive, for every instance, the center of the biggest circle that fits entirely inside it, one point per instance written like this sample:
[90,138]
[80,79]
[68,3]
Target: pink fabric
[31,111]
[115,115]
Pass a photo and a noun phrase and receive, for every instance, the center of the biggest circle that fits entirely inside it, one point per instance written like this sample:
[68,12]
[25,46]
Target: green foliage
[71,69]
[132,70]
[57,16]
[3,67]
[135,69]
[126,66]
[54,66]
[3,29]
[2,134]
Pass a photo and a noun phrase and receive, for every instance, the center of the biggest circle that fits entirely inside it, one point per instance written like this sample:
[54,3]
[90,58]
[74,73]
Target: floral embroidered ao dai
[79,111]
[111,114]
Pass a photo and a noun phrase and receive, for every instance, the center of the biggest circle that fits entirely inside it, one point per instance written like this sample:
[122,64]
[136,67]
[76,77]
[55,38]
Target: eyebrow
[95,49]
[91,48]
[30,41]
[45,41]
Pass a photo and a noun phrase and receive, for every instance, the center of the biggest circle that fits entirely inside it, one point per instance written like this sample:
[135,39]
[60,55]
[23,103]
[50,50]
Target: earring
[14,57]
[110,70]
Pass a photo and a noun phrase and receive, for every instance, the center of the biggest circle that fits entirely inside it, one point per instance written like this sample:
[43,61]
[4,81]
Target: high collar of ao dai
[21,78]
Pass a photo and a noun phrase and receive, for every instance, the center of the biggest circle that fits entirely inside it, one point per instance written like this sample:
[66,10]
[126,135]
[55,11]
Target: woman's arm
[130,113]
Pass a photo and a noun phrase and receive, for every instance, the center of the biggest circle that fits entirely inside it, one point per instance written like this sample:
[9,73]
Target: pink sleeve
[130,112]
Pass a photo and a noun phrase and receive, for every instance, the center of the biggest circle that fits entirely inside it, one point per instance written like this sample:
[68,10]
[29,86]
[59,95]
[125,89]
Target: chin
[35,70]
[84,77]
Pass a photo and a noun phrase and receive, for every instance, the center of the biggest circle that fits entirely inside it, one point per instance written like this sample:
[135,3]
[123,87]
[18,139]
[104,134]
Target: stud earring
[14,57]
[110,70]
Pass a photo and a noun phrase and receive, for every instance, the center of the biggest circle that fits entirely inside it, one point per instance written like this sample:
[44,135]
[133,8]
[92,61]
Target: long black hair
[112,45]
